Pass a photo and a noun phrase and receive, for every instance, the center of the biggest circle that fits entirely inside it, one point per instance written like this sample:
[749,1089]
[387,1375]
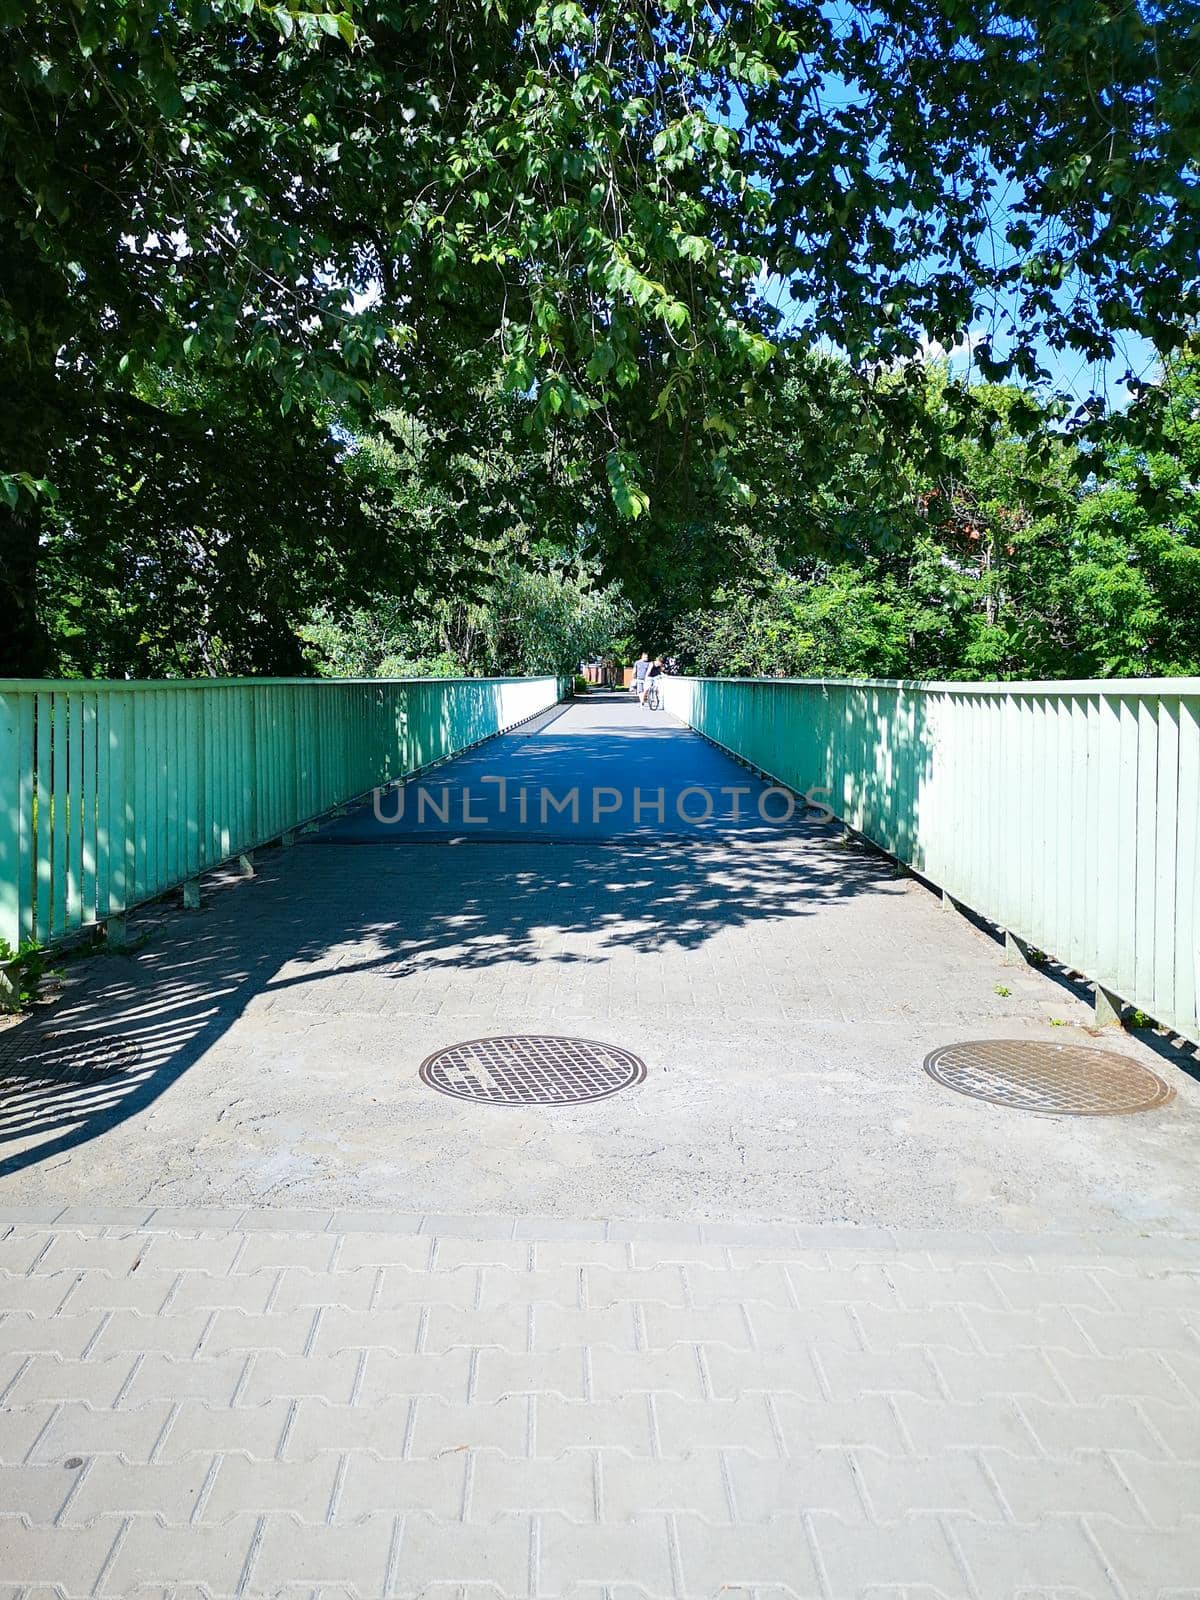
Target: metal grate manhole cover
[67,1057]
[1065,1080]
[532,1069]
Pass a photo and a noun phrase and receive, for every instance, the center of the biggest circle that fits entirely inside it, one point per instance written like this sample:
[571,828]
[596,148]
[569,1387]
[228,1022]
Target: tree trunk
[24,447]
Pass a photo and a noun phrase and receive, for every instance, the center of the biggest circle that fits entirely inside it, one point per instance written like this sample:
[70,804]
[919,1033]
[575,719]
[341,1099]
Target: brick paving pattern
[342,1410]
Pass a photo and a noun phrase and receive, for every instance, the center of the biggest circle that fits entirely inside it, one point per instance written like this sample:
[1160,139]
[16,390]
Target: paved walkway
[787,1318]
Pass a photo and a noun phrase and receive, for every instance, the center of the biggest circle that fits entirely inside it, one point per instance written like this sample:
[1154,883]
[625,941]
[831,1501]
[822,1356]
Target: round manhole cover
[531,1069]
[1065,1080]
[67,1057]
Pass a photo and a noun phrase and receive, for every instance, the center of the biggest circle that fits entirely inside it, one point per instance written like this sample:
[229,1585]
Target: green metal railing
[1066,813]
[112,793]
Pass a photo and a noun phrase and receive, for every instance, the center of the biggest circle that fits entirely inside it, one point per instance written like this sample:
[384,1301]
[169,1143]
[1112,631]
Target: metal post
[1108,1009]
[1015,953]
[10,987]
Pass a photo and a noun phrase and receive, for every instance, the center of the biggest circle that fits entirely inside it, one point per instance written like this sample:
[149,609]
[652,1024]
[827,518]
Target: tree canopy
[583,238]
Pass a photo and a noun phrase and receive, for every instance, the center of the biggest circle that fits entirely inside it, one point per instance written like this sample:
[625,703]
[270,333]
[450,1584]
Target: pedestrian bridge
[597,869]
[783,1315]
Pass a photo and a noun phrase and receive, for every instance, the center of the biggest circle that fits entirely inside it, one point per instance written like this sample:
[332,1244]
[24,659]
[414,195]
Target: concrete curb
[835,1237]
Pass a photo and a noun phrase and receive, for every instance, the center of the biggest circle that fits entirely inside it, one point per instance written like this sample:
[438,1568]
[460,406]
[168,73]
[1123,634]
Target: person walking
[641,670]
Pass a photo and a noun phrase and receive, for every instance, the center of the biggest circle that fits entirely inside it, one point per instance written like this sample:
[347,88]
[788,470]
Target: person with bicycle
[653,683]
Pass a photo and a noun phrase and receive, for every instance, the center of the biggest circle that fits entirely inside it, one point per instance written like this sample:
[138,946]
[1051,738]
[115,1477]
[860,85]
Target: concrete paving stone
[197,1428]
[212,1555]
[162,1377]
[718,1559]
[1049,1328]
[200,1291]
[506,1485]
[502,1286]
[506,1328]
[665,1326]
[871,1420]
[70,1559]
[434,1556]
[918,1288]
[178,1334]
[314,1425]
[1051,1285]
[899,1487]
[933,1426]
[368,1250]
[21,1428]
[1186,1369]
[1167,1493]
[626,1423]
[1019,1372]
[864,1284]
[281,1221]
[371,1484]
[268,1251]
[207,1251]
[612,1373]
[781,1371]
[847,1374]
[147,1292]
[245,1484]
[455,1252]
[78,1252]
[942,1327]
[650,1254]
[195,1219]
[385,1374]
[77,1429]
[23,1252]
[573,1556]
[375,1222]
[576,1230]
[762,1487]
[1168,1289]
[293,1289]
[665,1284]
[475,1228]
[858,1558]
[635,1486]
[330,1376]
[500,1372]
[338,1329]
[40,1294]
[405,1287]
[766,1284]
[1057,1555]
[552,1253]
[1086,1484]
[34,1492]
[496,1425]
[1176,1426]
[1114,1334]
[1115,1425]
[742,1424]
[110,1487]
[567,1327]
[66,1335]
[1138,1375]
[46,1377]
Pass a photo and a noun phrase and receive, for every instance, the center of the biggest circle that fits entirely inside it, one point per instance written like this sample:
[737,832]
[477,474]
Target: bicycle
[652,700]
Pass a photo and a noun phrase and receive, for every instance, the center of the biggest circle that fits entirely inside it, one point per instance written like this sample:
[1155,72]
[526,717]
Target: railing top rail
[103,685]
[1043,686]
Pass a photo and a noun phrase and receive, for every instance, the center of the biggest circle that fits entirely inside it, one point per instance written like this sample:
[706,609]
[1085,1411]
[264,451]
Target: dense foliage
[238,235]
